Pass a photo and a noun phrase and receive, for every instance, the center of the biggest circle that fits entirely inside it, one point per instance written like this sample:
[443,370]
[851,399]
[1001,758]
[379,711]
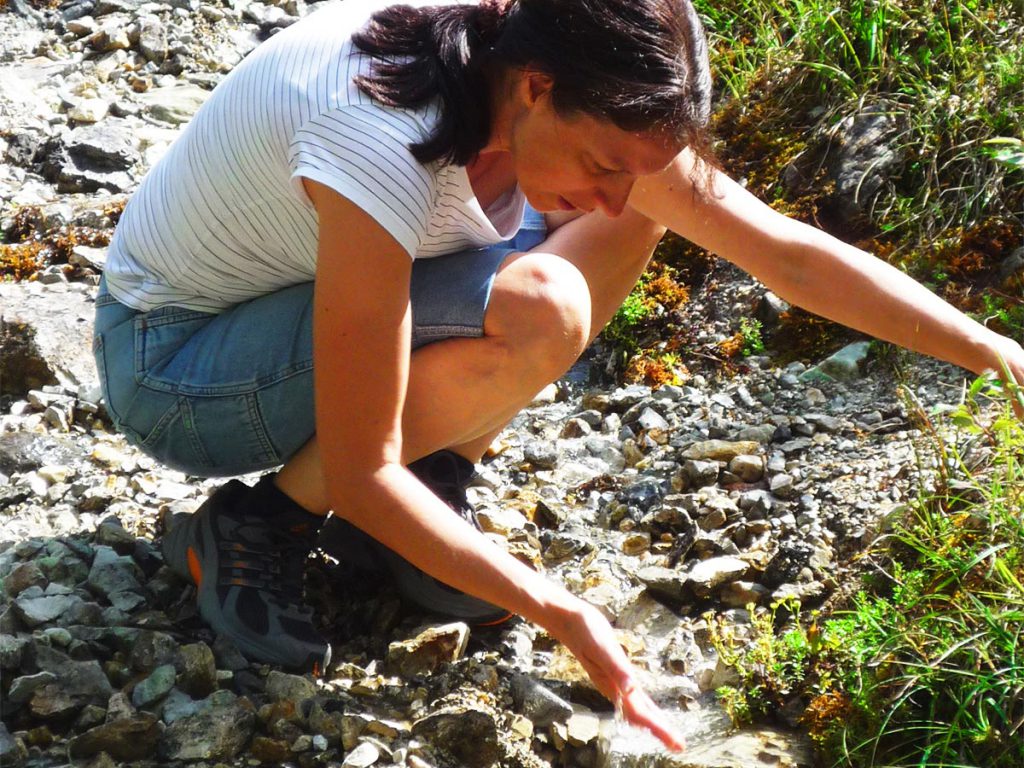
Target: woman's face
[582,162]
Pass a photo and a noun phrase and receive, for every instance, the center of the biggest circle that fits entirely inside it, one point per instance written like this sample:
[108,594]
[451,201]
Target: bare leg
[546,306]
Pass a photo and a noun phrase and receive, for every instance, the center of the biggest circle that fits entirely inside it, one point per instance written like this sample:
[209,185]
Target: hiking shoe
[245,550]
[446,474]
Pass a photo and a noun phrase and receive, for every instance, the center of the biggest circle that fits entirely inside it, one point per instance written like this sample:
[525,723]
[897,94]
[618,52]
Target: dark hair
[642,64]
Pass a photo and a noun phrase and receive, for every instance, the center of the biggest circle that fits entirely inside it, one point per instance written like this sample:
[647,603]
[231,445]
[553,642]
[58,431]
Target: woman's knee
[540,307]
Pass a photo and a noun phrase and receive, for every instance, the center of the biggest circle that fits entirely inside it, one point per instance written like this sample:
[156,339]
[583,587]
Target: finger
[640,710]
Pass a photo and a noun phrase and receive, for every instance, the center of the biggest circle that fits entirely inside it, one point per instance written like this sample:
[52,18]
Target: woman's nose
[612,197]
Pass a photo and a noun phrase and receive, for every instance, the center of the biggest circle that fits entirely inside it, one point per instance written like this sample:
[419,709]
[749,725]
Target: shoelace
[275,566]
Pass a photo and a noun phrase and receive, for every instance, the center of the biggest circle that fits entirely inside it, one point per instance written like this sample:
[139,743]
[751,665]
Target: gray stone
[112,573]
[12,650]
[719,450]
[217,733]
[13,753]
[469,736]
[178,704]
[284,687]
[700,473]
[538,702]
[104,147]
[707,575]
[151,649]
[664,582]
[78,683]
[41,609]
[45,338]
[749,469]
[862,156]
[174,105]
[844,365]
[23,687]
[363,756]
[157,685]
[540,454]
[153,40]
[650,419]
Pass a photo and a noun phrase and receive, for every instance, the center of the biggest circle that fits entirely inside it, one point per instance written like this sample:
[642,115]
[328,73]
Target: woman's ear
[534,86]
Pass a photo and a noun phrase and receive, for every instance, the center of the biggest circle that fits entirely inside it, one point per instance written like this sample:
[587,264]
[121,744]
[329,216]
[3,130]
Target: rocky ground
[659,507]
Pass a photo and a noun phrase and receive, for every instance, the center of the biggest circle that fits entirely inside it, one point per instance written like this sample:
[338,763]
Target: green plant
[772,668]
[750,332]
[933,666]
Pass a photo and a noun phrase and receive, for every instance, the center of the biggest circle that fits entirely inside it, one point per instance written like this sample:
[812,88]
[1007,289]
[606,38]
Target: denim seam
[259,427]
[221,390]
[188,423]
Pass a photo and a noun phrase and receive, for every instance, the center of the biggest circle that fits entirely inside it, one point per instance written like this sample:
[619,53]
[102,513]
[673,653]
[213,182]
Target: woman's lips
[565,205]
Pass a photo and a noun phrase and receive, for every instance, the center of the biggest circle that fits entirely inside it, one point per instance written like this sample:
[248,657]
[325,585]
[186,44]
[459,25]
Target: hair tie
[490,18]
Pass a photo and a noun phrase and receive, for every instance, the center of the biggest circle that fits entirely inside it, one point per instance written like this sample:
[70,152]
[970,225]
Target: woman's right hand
[586,632]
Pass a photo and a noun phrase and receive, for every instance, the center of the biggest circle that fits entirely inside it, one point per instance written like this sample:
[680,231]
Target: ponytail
[440,52]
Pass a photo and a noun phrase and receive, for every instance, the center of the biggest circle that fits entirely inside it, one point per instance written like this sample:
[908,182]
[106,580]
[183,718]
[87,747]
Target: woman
[348,195]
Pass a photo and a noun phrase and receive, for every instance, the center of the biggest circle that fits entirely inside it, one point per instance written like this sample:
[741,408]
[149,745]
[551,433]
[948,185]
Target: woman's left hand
[1006,362]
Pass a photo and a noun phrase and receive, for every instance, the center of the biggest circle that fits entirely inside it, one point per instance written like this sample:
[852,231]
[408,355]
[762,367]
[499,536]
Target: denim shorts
[232,392]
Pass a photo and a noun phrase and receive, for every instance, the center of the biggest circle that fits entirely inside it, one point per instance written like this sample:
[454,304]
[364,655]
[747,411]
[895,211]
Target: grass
[925,668]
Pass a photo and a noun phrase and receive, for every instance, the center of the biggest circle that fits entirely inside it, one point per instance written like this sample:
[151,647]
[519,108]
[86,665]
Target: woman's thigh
[230,393]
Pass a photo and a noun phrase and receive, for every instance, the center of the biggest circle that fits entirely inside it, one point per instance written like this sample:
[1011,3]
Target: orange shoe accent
[194,567]
[496,622]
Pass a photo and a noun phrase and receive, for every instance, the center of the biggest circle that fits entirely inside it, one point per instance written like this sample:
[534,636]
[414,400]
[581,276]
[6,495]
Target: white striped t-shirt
[222,217]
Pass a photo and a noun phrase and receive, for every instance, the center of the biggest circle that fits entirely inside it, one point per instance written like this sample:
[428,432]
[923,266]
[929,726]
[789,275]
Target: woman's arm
[816,271]
[361,332]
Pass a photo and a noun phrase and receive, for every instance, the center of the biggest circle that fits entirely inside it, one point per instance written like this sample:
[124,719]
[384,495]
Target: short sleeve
[362,153]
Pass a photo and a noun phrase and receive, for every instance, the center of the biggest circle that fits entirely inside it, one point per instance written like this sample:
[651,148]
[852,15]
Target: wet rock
[427,651]
[128,739]
[469,736]
[538,702]
[218,733]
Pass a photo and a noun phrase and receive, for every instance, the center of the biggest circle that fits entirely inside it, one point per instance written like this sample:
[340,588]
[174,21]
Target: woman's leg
[546,305]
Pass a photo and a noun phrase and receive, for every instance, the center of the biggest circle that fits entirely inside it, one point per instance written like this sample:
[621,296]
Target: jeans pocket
[159,336]
[174,439]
